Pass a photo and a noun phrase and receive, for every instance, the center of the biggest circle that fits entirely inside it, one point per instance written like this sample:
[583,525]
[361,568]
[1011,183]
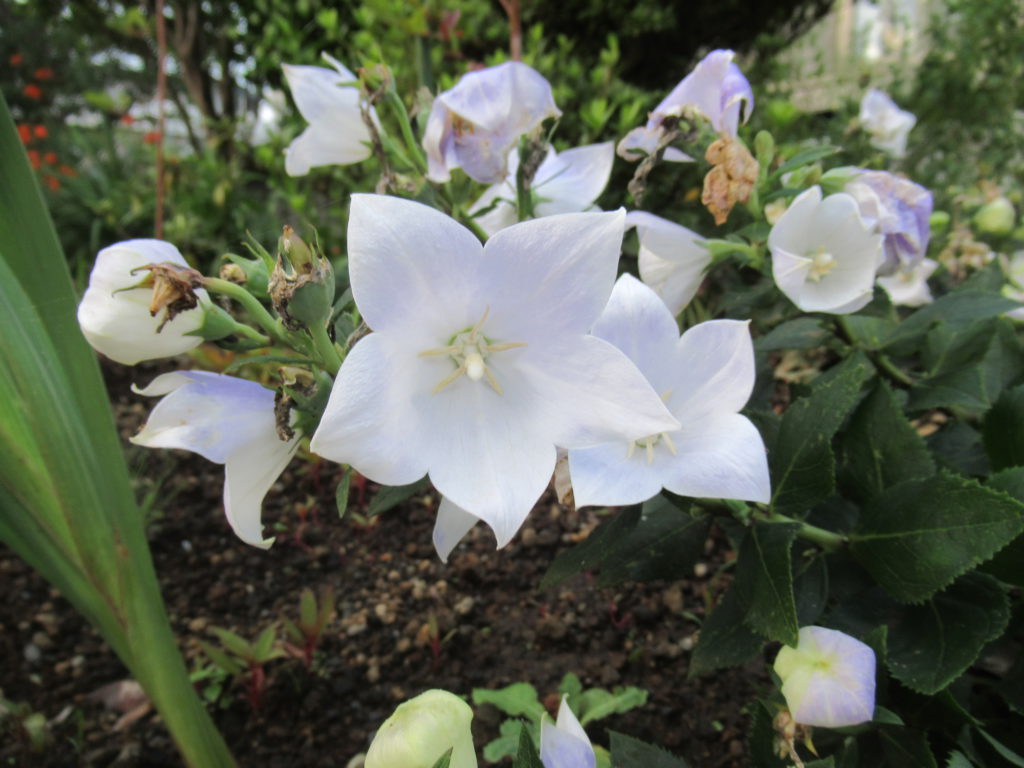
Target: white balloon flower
[704,377]
[716,87]
[421,730]
[480,363]
[336,134]
[909,287]
[565,744]
[474,125]
[887,124]
[115,313]
[828,680]
[824,256]
[229,421]
[671,259]
[566,182]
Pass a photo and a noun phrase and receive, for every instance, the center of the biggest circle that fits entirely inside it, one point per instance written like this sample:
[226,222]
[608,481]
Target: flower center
[648,443]
[822,263]
[468,350]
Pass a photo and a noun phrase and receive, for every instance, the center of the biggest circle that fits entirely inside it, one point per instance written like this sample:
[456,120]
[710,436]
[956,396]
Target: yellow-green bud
[996,217]
[421,730]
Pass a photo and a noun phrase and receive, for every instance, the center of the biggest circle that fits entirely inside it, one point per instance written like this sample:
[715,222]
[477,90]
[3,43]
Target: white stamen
[475,366]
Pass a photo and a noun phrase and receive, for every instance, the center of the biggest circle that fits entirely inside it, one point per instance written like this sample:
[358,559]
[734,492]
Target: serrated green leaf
[391,496]
[526,753]
[591,552]
[955,310]
[1003,430]
[665,543]
[341,492]
[881,448]
[764,581]
[507,742]
[1008,563]
[598,703]
[725,639]
[869,332]
[934,643]
[802,464]
[918,536]
[445,760]
[628,752]
[958,759]
[802,333]
[516,699]
[958,447]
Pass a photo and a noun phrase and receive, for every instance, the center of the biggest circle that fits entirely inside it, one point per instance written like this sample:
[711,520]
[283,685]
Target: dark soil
[494,626]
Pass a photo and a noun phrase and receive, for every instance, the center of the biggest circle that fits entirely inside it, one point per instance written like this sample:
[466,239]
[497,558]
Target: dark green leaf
[957,759]
[810,590]
[761,741]
[1003,430]
[934,643]
[802,333]
[1008,563]
[590,553]
[391,496]
[764,581]
[665,544]
[802,464]
[880,446]
[628,752]
[1004,752]
[725,639]
[869,332]
[341,492]
[445,759]
[920,535]
[906,747]
[956,310]
[957,446]
[526,755]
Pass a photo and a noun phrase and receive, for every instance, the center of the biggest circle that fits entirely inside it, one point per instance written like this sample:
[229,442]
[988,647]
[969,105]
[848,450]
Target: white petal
[114,317]
[638,323]
[718,457]
[639,142]
[713,370]
[374,418]
[452,524]
[553,275]
[249,473]
[671,259]
[910,289]
[607,475]
[568,723]
[439,143]
[317,92]
[413,269]
[717,88]
[565,744]
[336,142]
[572,180]
[790,232]
[502,196]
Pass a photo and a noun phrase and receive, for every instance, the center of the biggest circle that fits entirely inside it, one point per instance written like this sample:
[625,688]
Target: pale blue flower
[898,209]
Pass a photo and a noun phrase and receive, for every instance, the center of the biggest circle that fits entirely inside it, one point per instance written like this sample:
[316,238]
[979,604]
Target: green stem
[882,361]
[325,348]
[413,147]
[251,304]
[470,223]
[251,333]
[827,540]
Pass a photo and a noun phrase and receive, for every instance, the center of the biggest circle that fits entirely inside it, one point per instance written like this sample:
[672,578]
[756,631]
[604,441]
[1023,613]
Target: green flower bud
[303,294]
[252,273]
[938,222]
[996,217]
[421,730]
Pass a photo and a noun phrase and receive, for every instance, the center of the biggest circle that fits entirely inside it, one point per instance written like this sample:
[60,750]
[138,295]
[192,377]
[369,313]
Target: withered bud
[730,180]
[174,289]
[233,273]
[302,294]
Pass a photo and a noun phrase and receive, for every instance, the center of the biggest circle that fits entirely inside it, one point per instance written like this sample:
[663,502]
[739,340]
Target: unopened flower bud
[303,294]
[996,217]
[421,730]
[938,222]
[252,273]
[300,256]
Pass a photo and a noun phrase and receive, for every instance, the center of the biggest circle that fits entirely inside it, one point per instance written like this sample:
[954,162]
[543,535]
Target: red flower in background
[33,91]
[67,170]
[15,59]
[33,158]
[152,137]
[41,132]
[127,119]
[25,133]
[50,158]
[52,182]
[44,73]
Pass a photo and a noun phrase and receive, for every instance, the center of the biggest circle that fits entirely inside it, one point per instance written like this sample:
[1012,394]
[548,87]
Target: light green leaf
[598,703]
[445,759]
[516,699]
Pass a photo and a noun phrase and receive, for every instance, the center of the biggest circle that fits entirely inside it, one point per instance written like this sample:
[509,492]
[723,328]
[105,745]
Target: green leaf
[869,332]
[803,157]
[802,464]
[920,535]
[957,759]
[264,359]
[932,644]
[880,446]
[955,310]
[628,752]
[526,754]
[1008,563]
[341,492]
[234,643]
[1004,752]
[665,543]
[507,742]
[802,333]
[390,497]
[1003,430]
[764,581]
[810,591]
[221,659]
[957,446]
[445,760]
[591,552]
[598,703]
[906,747]
[516,699]
[725,639]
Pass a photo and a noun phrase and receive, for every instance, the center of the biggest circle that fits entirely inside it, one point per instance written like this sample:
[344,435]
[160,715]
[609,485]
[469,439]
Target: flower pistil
[469,350]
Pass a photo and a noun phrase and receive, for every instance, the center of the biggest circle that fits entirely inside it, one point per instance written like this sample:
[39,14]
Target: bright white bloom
[336,134]
[475,125]
[114,314]
[672,260]
[227,420]
[897,208]
[824,257]
[565,744]
[705,378]
[828,680]
[909,288]
[565,182]
[1015,288]
[716,87]
[480,363]
[421,730]
[886,122]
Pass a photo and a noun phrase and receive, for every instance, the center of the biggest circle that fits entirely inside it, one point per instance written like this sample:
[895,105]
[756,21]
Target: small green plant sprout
[521,702]
[304,636]
[243,660]
[22,723]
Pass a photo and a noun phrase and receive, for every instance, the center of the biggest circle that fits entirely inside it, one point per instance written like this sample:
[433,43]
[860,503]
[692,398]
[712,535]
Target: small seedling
[244,660]
[305,635]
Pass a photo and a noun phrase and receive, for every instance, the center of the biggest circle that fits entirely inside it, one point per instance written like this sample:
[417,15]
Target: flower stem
[326,349]
[881,360]
[413,147]
[251,304]
[827,540]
